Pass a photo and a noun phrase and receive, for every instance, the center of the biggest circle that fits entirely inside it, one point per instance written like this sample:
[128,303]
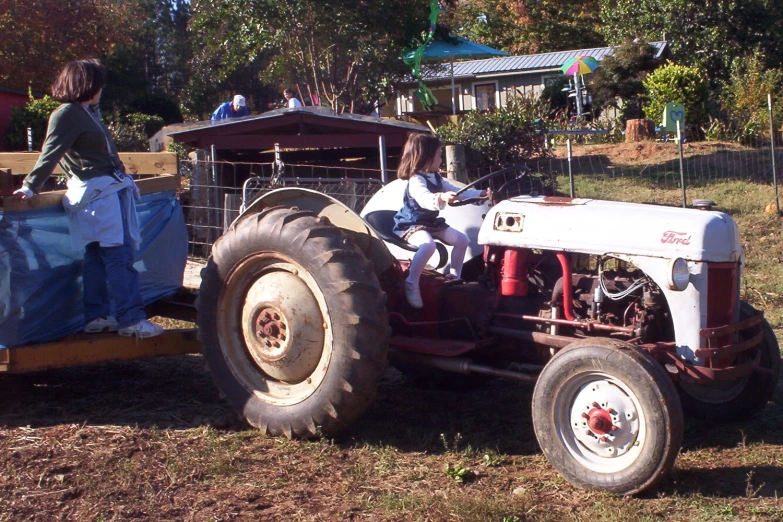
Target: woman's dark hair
[419,151]
[79,81]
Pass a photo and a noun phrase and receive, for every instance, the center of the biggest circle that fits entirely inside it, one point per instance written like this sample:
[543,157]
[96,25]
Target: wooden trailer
[154,172]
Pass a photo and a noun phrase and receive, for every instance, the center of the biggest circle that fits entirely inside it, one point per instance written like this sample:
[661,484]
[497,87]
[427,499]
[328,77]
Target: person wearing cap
[231,109]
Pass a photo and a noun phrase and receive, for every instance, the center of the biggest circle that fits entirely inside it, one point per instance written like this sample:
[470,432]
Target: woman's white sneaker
[101,324]
[142,329]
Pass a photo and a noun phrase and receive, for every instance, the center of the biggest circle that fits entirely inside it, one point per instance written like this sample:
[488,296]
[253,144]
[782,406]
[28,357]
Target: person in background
[100,202]
[292,101]
[418,222]
[235,108]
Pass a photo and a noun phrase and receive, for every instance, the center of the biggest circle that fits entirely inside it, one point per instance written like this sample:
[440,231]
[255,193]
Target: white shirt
[417,188]
[94,216]
[293,103]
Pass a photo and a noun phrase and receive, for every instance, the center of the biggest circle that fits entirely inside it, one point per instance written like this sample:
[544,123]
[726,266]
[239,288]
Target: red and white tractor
[623,315]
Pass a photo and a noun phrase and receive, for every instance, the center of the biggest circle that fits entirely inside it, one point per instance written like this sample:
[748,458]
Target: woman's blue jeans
[112,267]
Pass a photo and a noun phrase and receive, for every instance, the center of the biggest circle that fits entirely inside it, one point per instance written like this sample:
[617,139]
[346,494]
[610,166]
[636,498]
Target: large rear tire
[743,397]
[607,416]
[293,323]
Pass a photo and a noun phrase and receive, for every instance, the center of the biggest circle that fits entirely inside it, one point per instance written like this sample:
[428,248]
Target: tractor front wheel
[607,416]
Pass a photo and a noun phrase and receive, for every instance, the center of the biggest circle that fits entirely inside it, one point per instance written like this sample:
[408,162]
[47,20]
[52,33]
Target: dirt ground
[648,151]
[152,440]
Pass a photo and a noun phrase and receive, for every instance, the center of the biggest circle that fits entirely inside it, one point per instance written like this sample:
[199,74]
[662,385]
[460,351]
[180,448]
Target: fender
[364,237]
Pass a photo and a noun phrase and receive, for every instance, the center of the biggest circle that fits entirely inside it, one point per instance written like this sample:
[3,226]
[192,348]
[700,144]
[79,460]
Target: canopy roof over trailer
[301,128]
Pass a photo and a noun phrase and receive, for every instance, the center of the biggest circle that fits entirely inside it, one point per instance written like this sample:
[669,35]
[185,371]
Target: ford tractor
[623,316]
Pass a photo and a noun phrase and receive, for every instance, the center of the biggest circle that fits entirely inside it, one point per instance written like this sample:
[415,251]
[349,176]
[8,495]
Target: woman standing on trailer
[100,202]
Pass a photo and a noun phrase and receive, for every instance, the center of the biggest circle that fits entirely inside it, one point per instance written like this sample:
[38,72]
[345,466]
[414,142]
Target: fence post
[570,174]
[772,143]
[682,169]
[214,215]
[382,153]
[455,162]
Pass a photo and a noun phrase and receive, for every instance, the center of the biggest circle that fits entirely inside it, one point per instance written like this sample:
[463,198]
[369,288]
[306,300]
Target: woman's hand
[23,193]
[447,197]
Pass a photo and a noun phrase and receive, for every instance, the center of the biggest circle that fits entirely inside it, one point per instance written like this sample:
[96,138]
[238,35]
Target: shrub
[745,93]
[504,137]
[35,115]
[131,132]
[678,83]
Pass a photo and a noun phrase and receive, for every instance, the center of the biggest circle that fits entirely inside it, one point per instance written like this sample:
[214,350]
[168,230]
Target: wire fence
[215,193]
[617,171]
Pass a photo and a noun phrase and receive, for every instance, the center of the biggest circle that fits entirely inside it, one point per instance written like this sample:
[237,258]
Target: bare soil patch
[152,440]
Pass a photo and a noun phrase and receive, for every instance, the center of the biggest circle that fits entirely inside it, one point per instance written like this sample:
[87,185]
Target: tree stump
[639,130]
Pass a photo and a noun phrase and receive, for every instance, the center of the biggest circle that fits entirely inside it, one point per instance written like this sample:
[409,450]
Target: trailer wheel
[607,416]
[293,323]
[740,398]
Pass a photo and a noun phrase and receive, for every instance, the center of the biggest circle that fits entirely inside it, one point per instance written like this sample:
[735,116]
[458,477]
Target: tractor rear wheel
[739,398]
[293,324]
[607,416]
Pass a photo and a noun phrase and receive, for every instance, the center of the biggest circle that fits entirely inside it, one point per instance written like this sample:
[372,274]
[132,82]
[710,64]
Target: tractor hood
[609,227]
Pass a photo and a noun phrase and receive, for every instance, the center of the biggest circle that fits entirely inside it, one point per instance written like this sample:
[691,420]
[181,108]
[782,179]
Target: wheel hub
[283,327]
[599,421]
[605,420]
[271,328]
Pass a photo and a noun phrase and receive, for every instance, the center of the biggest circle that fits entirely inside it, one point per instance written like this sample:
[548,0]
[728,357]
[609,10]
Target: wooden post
[6,185]
[455,163]
[199,198]
[384,161]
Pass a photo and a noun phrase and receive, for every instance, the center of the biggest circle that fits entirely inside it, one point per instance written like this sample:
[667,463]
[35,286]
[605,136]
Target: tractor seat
[382,221]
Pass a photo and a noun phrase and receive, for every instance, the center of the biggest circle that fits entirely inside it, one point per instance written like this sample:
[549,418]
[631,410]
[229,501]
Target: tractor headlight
[678,274]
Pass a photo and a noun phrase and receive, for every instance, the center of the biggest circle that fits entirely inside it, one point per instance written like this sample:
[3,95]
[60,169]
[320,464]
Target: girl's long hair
[419,151]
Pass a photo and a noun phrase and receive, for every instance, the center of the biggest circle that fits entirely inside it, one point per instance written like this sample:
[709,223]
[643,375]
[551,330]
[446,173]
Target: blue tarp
[41,274]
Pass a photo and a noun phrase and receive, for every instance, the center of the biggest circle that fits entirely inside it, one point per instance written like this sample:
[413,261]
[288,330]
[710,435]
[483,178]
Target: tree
[344,54]
[40,36]
[149,73]
[744,97]
[527,27]
[704,33]
[619,80]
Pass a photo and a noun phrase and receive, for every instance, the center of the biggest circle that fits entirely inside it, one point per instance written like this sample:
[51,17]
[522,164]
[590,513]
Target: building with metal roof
[485,84]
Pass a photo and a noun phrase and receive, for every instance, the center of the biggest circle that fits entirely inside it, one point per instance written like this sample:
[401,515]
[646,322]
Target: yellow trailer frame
[83,349]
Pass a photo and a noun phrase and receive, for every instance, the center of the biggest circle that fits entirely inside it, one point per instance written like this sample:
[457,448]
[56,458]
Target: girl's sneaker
[142,329]
[101,324]
[413,295]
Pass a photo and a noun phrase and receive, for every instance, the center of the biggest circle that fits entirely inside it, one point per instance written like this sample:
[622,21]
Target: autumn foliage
[40,36]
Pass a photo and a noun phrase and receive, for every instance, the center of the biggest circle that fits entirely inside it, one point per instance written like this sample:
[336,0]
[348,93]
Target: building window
[485,96]
[553,80]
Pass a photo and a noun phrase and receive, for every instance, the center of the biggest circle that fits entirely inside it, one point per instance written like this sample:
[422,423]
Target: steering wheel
[524,168]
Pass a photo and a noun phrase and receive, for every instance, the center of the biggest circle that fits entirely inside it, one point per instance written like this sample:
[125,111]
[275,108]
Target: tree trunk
[639,130]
